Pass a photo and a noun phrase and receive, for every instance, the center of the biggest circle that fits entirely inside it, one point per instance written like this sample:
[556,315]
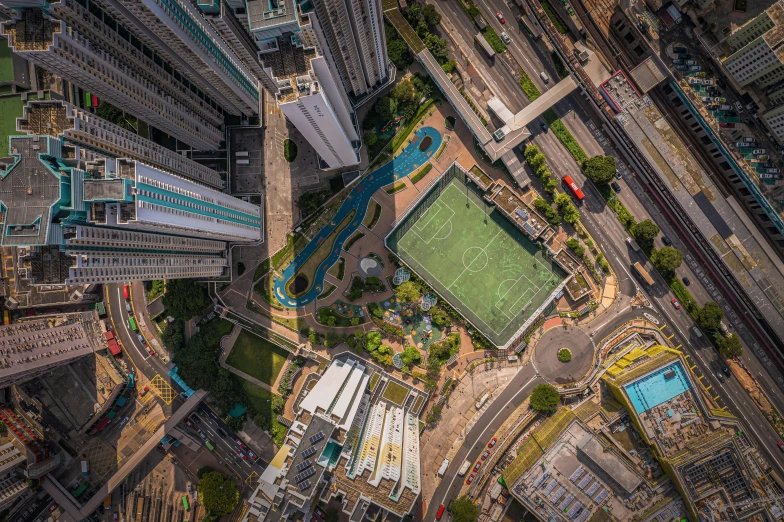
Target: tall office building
[93,137]
[165,64]
[310,95]
[118,219]
[351,33]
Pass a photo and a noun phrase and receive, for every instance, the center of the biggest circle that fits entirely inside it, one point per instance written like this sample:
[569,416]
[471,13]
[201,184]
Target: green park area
[395,393]
[257,357]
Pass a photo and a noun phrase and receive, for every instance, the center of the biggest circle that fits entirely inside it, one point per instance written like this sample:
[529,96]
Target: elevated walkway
[513,133]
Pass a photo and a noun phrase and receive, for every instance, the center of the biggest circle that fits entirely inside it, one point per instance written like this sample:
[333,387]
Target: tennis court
[484,266]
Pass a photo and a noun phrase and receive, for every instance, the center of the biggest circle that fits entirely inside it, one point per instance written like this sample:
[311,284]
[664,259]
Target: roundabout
[546,354]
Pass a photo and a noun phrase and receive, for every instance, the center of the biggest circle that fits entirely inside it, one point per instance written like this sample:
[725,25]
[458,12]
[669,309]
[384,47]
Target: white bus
[464,468]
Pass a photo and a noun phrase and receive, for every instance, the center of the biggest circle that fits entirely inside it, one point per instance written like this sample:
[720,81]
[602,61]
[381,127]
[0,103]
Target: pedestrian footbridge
[500,144]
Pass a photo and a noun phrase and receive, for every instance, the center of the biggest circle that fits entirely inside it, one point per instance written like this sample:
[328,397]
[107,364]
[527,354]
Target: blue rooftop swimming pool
[657,387]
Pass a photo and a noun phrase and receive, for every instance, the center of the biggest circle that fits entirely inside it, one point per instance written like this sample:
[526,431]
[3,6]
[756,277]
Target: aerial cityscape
[392,260]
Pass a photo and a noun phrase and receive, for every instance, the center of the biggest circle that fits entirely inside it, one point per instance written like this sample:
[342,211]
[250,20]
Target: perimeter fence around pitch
[403,224]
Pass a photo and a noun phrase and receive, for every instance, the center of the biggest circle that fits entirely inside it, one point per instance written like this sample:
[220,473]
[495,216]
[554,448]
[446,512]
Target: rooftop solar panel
[308,452]
[305,474]
[317,437]
[303,486]
[304,465]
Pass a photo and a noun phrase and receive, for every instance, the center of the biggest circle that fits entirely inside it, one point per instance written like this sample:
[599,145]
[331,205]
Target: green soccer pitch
[487,269]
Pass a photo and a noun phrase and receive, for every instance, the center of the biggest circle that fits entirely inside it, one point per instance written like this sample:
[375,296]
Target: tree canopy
[408,292]
[644,232]
[729,346]
[545,398]
[398,51]
[185,298]
[410,356]
[174,335]
[431,15]
[600,169]
[404,93]
[386,107]
[218,494]
[437,46]
[463,510]
[709,316]
[666,260]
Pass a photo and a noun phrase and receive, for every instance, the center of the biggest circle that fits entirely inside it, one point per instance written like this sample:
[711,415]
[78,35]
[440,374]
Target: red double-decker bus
[126,292]
[569,182]
[440,512]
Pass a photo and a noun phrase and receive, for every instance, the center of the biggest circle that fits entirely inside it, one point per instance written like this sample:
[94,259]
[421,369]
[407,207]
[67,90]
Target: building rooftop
[32,344]
[627,480]
[32,32]
[731,234]
[369,446]
[29,190]
[266,14]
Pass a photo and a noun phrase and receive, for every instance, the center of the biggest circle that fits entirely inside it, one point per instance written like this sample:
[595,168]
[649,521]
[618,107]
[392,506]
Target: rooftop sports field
[493,274]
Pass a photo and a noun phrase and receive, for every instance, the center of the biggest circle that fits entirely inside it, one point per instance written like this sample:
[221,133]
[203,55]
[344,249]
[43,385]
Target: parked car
[500,17]
[505,37]
[758,151]
[686,281]
[675,303]
[485,455]
[691,62]
[616,187]
[720,377]
[477,466]
[727,125]
[678,61]
[188,422]
[144,391]
[666,241]
[738,107]
[726,370]
[713,107]
[695,68]
[492,442]
[773,171]
[470,478]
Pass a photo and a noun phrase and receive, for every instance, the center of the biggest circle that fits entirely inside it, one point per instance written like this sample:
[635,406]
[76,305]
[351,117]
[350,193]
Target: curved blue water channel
[405,163]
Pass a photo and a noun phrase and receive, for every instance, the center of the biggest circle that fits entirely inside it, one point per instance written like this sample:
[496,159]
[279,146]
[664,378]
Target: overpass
[75,511]
[499,145]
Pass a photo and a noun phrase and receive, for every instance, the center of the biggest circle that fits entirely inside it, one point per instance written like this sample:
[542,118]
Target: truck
[443,467]
[644,275]
[464,468]
[85,468]
[530,27]
[480,40]
[632,243]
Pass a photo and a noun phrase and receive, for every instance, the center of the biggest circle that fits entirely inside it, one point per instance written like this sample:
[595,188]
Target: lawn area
[353,239]
[338,270]
[372,215]
[260,399]
[257,357]
[156,289]
[373,381]
[10,108]
[265,288]
[395,393]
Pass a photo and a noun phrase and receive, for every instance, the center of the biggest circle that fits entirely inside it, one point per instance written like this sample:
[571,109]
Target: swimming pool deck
[653,389]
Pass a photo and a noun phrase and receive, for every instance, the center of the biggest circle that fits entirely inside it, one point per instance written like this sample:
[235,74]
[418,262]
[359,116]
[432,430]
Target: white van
[544,77]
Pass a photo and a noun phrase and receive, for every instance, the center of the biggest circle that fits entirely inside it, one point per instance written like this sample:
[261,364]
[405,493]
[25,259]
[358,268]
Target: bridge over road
[500,144]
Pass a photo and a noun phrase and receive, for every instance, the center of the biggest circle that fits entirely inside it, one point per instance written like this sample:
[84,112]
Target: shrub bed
[528,87]
[564,355]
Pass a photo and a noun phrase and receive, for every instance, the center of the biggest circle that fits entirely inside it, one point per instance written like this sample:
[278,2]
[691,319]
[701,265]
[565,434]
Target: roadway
[147,364]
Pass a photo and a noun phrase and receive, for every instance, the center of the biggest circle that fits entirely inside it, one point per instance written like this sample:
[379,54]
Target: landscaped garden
[564,355]
[257,357]
[341,314]
[267,406]
[417,324]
